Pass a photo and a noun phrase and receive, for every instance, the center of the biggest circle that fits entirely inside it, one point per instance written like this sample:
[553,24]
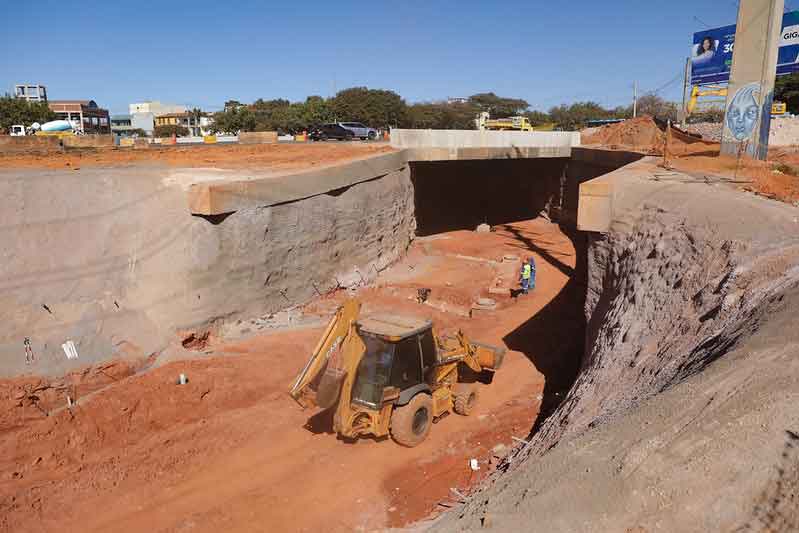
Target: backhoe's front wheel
[465,398]
[411,423]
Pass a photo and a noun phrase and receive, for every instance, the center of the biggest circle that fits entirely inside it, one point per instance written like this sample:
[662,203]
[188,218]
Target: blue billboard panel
[711,53]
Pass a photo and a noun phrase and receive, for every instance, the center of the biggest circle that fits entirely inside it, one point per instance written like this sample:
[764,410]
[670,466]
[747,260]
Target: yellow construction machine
[485,122]
[777,108]
[389,374]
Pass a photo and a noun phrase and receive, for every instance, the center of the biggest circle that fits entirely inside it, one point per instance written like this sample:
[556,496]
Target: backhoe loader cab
[399,353]
[389,374]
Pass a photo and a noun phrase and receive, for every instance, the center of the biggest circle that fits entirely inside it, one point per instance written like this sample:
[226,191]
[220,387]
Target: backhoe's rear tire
[465,398]
[411,423]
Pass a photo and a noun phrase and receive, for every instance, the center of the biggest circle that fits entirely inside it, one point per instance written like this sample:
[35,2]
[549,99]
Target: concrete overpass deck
[216,192]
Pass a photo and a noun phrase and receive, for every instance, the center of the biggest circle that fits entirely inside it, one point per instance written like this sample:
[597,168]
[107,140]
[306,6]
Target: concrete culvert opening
[452,195]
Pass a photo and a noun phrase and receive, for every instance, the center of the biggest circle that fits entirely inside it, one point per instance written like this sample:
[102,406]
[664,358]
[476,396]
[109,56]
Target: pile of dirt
[283,156]
[643,134]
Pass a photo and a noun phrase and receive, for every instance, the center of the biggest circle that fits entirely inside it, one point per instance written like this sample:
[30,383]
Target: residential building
[85,115]
[143,121]
[187,120]
[156,108]
[121,125]
[31,93]
[457,100]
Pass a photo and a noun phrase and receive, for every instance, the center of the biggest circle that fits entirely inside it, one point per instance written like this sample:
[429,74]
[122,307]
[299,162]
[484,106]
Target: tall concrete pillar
[747,114]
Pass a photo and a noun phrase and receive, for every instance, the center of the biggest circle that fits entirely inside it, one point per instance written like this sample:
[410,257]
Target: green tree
[538,118]
[17,111]
[377,108]
[169,130]
[498,106]
[234,120]
[657,107]
[786,89]
[574,116]
[441,116]
[316,111]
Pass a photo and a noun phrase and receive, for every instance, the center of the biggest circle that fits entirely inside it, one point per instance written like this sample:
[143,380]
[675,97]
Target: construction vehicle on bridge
[485,122]
[388,374]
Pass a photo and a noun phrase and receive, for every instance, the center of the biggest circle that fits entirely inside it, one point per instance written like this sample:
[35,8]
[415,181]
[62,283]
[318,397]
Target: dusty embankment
[683,417]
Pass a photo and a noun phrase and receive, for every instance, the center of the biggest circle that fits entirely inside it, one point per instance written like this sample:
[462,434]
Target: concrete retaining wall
[113,260]
[257,137]
[89,141]
[28,144]
[585,165]
[401,138]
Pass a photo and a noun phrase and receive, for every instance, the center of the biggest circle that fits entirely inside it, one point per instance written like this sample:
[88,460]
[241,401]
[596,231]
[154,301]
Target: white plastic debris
[474,464]
[182,379]
[70,350]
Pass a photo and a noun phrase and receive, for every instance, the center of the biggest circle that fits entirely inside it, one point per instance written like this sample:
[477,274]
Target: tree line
[379,108]
[15,111]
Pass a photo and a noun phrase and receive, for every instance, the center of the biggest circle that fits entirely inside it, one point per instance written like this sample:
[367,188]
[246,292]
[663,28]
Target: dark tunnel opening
[453,195]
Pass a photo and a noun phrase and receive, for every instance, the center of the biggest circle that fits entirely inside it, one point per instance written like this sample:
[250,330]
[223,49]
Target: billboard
[711,53]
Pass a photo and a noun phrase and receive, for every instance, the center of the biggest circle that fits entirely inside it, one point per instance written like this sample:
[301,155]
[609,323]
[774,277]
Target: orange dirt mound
[642,134]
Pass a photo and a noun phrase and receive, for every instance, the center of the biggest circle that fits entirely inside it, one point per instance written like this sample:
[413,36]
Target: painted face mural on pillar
[743,111]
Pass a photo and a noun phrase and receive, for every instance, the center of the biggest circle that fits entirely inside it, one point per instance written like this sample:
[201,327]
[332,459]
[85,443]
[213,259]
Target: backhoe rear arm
[335,333]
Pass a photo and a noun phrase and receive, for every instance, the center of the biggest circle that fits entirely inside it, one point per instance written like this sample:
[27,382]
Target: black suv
[330,131]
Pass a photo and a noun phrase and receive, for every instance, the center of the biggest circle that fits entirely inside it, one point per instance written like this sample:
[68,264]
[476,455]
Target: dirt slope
[682,415]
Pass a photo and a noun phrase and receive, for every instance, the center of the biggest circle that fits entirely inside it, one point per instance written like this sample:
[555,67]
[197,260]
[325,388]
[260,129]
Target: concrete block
[257,137]
[30,144]
[226,196]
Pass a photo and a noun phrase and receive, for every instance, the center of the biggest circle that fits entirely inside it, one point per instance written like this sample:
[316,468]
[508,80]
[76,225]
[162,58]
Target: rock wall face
[664,300]
[112,260]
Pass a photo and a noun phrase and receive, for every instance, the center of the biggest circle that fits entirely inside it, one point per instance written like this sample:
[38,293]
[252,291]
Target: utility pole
[635,99]
[754,65]
[685,84]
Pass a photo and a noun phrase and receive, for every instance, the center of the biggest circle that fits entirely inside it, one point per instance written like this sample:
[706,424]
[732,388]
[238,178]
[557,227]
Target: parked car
[360,130]
[330,131]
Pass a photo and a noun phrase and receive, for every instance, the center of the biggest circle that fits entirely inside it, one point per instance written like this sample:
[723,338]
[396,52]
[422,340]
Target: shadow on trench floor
[554,338]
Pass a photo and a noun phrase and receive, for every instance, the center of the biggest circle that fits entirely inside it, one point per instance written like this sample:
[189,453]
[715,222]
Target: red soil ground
[275,156]
[230,451]
[775,178]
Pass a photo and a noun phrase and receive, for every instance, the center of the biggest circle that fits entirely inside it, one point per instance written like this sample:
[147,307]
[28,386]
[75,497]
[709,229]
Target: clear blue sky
[201,53]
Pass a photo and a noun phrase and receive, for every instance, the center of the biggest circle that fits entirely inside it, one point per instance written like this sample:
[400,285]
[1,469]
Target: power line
[666,85]
[701,21]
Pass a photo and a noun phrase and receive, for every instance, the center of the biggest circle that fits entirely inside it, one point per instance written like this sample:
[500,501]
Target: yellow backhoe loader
[389,374]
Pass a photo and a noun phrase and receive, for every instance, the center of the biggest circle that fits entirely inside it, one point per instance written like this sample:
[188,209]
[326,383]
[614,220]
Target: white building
[31,93]
[156,108]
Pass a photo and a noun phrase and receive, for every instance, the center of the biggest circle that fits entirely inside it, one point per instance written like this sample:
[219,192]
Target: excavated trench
[670,289]
[460,195]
